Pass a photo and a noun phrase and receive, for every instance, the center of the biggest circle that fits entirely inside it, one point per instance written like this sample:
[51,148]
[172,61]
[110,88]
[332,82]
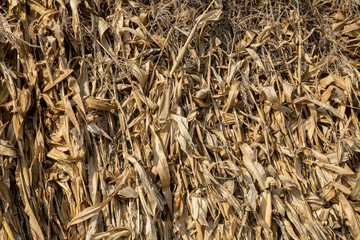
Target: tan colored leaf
[256,170]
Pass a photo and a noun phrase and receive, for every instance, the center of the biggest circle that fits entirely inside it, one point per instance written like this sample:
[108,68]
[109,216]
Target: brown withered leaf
[179,119]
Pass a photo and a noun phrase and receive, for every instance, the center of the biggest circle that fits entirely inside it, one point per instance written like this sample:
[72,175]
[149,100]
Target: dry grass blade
[170,119]
[91,211]
[183,48]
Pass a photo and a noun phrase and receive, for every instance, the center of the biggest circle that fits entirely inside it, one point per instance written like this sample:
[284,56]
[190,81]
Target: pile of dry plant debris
[179,119]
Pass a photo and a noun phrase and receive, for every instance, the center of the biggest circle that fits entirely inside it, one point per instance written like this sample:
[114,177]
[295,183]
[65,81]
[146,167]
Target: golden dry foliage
[170,119]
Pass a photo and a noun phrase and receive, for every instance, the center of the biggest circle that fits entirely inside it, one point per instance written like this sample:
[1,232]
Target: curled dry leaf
[179,119]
